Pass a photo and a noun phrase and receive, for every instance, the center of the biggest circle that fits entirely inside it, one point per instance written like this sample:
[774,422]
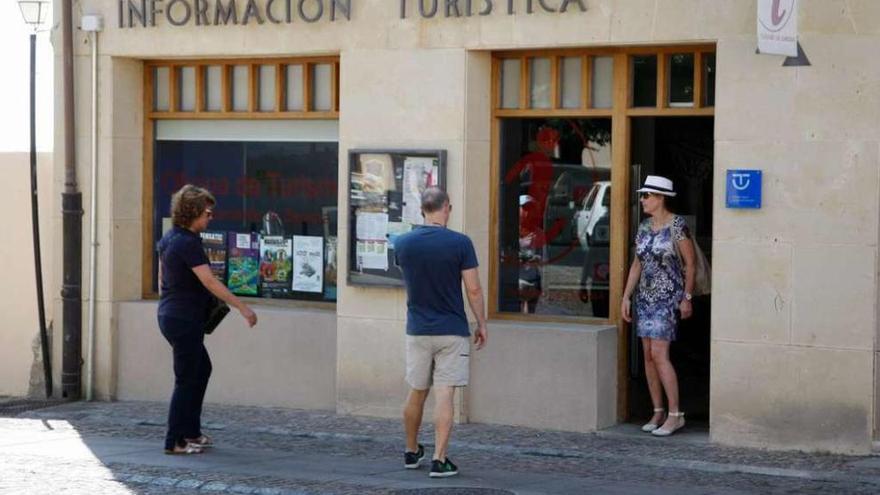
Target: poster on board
[385,191]
[372,178]
[419,173]
[308,264]
[214,244]
[244,264]
[275,265]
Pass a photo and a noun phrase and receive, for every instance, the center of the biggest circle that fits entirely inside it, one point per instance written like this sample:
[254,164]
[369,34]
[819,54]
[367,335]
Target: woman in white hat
[664,271]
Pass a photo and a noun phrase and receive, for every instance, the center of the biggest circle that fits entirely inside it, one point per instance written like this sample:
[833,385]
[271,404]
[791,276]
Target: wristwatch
[688,296]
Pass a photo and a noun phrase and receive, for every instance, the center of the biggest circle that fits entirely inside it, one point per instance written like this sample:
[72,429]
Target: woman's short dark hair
[433,199]
[189,203]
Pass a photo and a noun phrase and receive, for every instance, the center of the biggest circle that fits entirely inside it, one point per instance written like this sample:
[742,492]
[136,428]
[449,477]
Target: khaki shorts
[437,360]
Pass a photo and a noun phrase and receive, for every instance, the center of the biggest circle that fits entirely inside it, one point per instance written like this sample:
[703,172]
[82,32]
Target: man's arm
[474,292]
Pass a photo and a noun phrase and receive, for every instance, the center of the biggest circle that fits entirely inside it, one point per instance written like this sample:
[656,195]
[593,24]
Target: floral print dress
[661,285]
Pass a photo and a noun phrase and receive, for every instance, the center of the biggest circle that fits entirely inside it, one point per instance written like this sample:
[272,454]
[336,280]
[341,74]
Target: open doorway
[682,149]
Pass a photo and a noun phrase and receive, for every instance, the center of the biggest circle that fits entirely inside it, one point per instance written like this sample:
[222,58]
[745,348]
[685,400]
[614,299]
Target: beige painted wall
[805,265]
[372,321]
[21,366]
[288,360]
[562,377]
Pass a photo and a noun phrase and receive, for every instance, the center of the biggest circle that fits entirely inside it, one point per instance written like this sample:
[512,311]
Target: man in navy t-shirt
[435,261]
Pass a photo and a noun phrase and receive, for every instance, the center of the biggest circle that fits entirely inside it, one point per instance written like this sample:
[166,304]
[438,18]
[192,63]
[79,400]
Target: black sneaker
[443,469]
[412,460]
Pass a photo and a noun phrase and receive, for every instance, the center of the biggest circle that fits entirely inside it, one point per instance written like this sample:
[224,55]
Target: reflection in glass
[603,77]
[681,80]
[321,87]
[294,87]
[240,93]
[187,89]
[709,79]
[214,88]
[571,82]
[267,88]
[161,84]
[644,81]
[510,74]
[553,242]
[539,75]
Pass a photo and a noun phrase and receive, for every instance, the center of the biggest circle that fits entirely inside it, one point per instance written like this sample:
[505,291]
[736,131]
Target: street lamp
[35,13]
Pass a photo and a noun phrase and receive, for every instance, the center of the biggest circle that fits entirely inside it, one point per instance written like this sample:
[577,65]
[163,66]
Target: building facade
[313,120]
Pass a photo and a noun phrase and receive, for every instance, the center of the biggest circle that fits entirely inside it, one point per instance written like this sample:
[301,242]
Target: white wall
[19,331]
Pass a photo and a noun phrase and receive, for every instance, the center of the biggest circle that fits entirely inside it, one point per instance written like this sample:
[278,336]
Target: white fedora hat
[658,185]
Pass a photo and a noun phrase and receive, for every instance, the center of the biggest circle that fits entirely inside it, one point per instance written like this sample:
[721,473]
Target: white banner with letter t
[777,27]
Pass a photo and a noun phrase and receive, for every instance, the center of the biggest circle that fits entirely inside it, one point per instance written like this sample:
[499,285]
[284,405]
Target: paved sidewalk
[115,448]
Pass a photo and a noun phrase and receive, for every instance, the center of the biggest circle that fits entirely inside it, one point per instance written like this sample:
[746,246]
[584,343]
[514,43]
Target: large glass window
[554,213]
[274,229]
[550,246]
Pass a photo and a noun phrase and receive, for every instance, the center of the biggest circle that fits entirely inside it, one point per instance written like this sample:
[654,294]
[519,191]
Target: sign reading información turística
[152,13]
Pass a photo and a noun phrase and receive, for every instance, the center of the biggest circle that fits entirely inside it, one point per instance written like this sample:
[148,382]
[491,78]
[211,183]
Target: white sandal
[651,426]
[662,432]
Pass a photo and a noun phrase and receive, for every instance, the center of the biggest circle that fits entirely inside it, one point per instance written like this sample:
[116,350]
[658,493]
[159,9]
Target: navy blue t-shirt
[432,259]
[182,296]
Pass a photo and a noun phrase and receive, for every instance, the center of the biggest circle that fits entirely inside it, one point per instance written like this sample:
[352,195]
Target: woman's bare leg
[654,387]
[668,378]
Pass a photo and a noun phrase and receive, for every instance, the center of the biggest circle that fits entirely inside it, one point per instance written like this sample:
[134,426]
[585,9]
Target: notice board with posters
[385,188]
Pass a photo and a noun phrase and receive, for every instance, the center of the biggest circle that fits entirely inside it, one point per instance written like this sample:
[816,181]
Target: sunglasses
[646,195]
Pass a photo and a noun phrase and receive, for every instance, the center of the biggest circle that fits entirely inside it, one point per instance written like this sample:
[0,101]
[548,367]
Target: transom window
[238,89]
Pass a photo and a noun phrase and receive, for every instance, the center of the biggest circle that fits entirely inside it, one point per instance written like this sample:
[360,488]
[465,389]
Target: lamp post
[35,13]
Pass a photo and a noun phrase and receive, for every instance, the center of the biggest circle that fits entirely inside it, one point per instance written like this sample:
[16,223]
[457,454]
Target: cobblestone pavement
[115,448]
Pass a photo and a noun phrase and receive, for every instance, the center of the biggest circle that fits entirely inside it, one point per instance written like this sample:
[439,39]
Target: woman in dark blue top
[186,286]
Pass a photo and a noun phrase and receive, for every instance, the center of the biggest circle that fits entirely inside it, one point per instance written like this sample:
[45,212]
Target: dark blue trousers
[192,369]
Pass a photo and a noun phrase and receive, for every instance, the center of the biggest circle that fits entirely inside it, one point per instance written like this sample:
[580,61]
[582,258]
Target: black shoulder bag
[217,310]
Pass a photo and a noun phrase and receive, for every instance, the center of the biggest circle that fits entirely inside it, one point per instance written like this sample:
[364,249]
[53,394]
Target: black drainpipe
[71,209]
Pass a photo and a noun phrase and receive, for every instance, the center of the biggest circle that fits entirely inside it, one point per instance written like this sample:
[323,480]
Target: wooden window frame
[621,114]
[253,112]
[201,112]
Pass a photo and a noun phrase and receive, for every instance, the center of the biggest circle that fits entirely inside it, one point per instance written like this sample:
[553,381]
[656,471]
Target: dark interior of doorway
[682,149]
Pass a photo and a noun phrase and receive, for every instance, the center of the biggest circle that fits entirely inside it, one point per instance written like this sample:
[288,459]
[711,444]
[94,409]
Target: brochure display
[214,244]
[330,268]
[244,264]
[385,189]
[275,263]
[308,264]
